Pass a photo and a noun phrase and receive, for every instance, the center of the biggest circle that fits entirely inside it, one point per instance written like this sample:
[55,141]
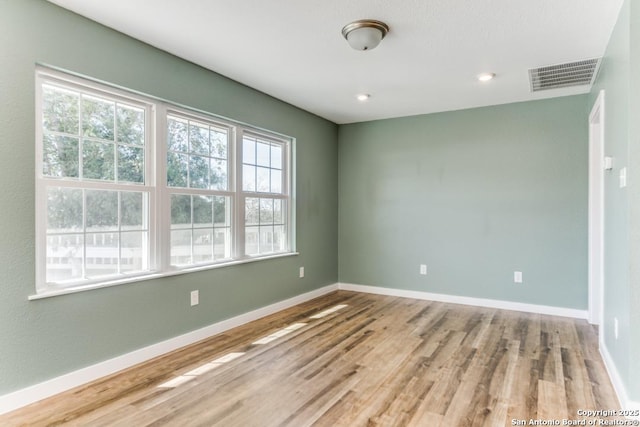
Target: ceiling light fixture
[365,34]
[485,77]
[363,97]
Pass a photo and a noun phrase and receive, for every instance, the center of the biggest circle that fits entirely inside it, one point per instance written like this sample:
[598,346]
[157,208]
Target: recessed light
[485,77]
[363,97]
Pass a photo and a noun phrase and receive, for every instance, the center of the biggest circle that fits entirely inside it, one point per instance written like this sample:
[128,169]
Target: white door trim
[596,210]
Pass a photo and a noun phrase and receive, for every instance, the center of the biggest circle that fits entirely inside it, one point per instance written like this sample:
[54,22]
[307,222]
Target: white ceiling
[294,50]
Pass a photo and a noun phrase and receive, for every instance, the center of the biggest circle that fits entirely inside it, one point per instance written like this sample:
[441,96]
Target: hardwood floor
[350,359]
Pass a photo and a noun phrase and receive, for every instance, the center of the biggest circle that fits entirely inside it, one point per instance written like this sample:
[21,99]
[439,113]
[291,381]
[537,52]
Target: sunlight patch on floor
[175,382]
[194,373]
[280,333]
[328,311]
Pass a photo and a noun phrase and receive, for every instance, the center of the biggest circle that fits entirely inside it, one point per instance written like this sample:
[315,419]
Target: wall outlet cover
[195,298]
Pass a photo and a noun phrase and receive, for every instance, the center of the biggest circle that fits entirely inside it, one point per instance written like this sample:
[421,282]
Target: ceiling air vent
[564,75]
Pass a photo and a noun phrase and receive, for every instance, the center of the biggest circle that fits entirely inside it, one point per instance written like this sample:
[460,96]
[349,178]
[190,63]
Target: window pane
[266,239]
[248,178]
[130,122]
[264,180]
[249,151]
[97,161]
[64,210]
[180,210]
[202,245]
[276,181]
[222,243]
[180,247]
[199,139]
[64,257]
[276,156]
[263,154]
[218,174]
[132,210]
[198,172]
[130,164]
[101,210]
[202,211]
[60,156]
[266,211]
[219,143]
[221,207]
[177,135]
[279,239]
[97,118]
[252,210]
[251,240]
[102,254]
[132,254]
[60,110]
[278,212]
[177,169]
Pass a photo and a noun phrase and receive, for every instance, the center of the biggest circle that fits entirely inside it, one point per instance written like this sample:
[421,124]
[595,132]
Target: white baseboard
[26,396]
[616,380]
[479,302]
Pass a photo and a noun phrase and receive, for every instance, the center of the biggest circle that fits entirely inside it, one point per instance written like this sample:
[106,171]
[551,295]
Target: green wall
[619,77]
[49,337]
[474,194]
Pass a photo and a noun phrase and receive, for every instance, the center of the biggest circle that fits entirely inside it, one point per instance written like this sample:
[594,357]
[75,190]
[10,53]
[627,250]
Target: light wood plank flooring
[350,359]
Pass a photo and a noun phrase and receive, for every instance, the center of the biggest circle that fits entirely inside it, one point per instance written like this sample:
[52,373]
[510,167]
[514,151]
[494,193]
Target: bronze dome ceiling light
[365,34]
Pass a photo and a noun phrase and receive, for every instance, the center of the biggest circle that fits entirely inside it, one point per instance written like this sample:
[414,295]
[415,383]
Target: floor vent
[564,75]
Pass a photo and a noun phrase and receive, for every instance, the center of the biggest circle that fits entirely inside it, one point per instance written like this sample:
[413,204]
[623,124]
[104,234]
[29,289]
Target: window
[197,158]
[93,194]
[265,195]
[129,187]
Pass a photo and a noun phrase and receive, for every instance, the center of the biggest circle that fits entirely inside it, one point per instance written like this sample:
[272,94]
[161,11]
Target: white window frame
[285,194]
[155,185]
[168,191]
[46,76]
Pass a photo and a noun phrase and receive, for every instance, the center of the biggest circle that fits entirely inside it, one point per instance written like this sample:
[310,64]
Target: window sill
[155,275]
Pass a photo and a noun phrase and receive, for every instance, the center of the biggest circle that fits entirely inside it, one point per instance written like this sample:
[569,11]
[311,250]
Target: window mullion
[119,213]
[289,184]
[84,234]
[162,206]
[238,226]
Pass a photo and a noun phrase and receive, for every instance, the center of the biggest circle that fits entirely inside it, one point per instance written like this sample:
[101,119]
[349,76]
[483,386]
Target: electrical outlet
[517,277]
[615,327]
[301,272]
[195,297]
[423,269]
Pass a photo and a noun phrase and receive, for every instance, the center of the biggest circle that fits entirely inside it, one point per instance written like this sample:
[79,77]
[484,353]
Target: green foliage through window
[128,187]
[106,137]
